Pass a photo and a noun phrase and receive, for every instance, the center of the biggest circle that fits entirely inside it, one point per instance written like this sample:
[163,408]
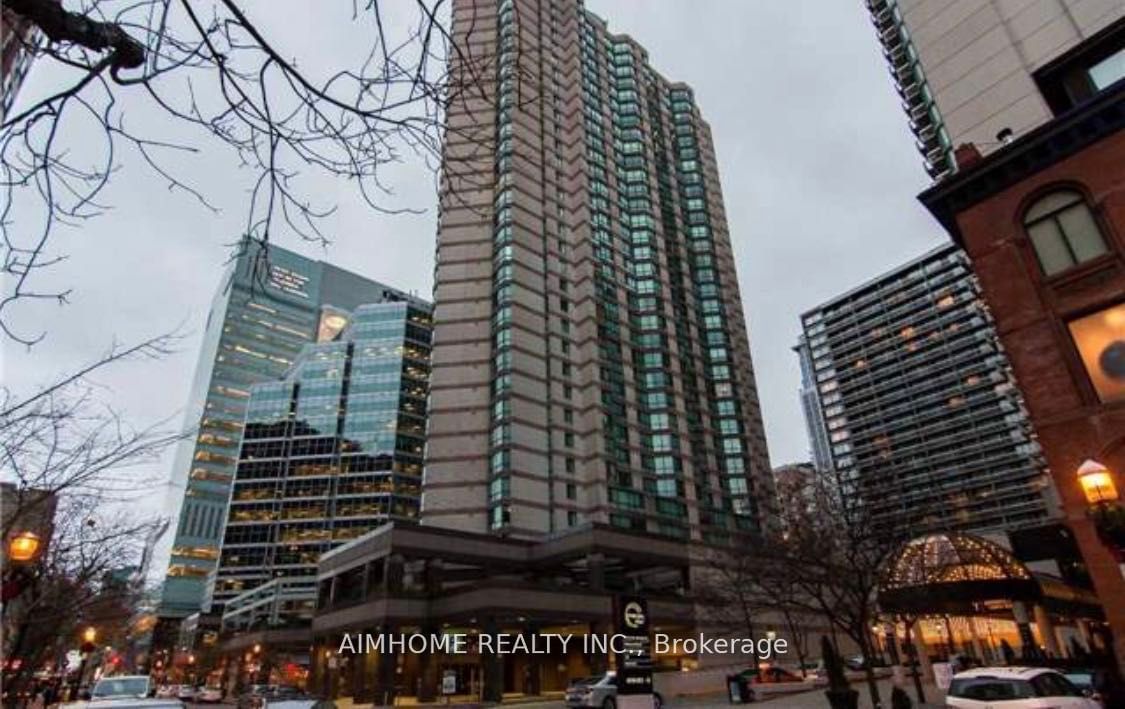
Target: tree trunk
[748,619]
[794,632]
[869,671]
[912,658]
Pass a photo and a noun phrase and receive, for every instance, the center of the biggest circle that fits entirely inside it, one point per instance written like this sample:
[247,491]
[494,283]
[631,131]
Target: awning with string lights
[953,573]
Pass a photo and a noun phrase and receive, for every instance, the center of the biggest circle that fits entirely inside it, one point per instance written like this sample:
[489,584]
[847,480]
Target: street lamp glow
[90,634]
[1097,482]
[24,547]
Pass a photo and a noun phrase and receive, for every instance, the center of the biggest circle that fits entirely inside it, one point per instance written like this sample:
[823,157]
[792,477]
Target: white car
[209,695]
[187,693]
[1015,688]
[123,692]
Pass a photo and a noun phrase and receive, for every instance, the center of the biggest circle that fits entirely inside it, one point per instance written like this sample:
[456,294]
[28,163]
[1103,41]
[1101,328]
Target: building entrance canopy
[960,574]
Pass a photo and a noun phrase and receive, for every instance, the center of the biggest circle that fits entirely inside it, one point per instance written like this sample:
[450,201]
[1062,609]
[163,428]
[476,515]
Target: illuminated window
[1100,339]
[1063,231]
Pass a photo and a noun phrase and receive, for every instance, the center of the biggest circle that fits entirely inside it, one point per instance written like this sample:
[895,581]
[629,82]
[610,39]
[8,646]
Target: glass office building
[329,452]
[270,304]
[927,429]
[591,358]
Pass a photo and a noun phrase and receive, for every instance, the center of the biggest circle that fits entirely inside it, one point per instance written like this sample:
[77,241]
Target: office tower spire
[591,361]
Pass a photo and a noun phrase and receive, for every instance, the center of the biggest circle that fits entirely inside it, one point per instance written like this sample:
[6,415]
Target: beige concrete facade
[978,59]
[535,370]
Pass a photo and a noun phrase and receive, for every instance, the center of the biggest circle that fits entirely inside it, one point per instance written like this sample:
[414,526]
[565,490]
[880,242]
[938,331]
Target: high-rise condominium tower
[268,306]
[926,427]
[978,72]
[814,413]
[591,361]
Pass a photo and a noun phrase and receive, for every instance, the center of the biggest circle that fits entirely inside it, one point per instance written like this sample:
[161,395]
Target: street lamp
[24,547]
[1104,509]
[1097,482]
[89,635]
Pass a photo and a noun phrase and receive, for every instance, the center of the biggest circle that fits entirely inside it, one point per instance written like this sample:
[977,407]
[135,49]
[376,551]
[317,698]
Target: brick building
[1043,221]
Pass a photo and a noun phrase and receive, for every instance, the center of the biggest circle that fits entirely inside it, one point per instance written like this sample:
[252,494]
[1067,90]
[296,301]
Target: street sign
[634,665]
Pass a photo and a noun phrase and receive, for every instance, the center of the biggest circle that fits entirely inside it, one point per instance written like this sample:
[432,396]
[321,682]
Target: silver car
[599,692]
[123,692]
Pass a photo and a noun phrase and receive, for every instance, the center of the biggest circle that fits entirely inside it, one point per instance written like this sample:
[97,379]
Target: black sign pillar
[634,652]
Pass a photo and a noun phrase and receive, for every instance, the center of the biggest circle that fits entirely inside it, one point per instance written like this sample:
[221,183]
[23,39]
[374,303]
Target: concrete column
[434,568]
[1028,648]
[383,691]
[393,573]
[492,668]
[1047,630]
[1084,634]
[924,665]
[533,681]
[974,639]
[892,646]
[595,569]
[429,675]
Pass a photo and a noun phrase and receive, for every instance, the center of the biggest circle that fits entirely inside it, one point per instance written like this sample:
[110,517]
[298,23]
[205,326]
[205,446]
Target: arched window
[1063,231]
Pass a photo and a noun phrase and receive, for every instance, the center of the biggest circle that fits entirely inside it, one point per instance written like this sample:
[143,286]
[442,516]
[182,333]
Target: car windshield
[121,687]
[1080,679]
[990,688]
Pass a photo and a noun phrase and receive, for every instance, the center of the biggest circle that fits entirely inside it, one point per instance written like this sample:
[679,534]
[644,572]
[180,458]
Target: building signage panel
[634,664]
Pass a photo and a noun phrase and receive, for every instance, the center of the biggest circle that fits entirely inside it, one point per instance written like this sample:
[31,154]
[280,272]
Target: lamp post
[21,555]
[89,636]
[1100,491]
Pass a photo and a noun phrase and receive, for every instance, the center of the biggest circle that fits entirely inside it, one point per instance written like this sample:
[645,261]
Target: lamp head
[1097,482]
[24,547]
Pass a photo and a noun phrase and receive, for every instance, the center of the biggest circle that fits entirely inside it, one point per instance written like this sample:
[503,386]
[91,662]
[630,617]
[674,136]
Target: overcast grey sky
[818,167]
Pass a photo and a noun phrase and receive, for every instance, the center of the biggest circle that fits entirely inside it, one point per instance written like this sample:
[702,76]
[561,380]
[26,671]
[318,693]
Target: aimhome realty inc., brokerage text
[458,643]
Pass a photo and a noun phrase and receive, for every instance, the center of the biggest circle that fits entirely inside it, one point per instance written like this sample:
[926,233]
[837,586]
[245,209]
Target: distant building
[814,414]
[927,429]
[330,452]
[27,510]
[800,489]
[982,72]
[268,306]
[17,40]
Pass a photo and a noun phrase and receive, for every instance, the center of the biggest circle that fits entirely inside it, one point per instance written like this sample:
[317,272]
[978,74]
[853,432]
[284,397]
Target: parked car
[209,695]
[772,675]
[123,692]
[283,695]
[1015,688]
[167,691]
[857,663]
[254,697]
[131,686]
[599,692]
[187,693]
[1098,684]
